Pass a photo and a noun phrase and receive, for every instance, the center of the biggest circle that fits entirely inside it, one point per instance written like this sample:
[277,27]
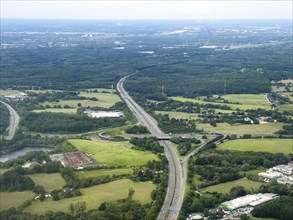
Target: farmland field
[288,107]
[240,129]
[259,145]
[113,153]
[14,199]
[9,92]
[247,101]
[103,172]
[226,187]
[48,181]
[95,195]
[2,170]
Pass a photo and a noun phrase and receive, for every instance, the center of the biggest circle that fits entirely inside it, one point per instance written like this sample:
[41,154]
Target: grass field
[48,181]
[113,153]
[106,100]
[103,172]
[254,218]
[259,145]
[240,129]
[2,170]
[179,115]
[287,107]
[61,110]
[14,199]
[247,101]
[253,172]
[226,187]
[95,195]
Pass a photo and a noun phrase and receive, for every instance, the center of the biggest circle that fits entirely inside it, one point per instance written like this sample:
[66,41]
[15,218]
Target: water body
[12,155]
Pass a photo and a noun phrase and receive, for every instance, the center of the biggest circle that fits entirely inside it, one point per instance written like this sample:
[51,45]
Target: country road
[176,185]
[14,121]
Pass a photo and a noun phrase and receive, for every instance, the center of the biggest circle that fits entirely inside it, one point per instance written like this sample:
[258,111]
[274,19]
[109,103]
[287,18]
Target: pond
[14,154]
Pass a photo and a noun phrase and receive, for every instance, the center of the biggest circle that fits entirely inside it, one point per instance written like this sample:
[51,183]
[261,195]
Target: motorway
[176,183]
[14,121]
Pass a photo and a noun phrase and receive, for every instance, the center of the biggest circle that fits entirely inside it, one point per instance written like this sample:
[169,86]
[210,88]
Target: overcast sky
[91,9]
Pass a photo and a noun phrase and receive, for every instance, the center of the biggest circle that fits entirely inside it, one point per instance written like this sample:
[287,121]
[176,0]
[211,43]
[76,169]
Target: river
[20,152]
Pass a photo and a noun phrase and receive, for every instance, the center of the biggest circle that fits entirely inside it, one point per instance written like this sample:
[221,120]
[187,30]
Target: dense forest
[4,118]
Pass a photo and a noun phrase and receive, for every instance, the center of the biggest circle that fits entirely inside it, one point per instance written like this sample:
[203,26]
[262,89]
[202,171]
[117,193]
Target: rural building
[195,216]
[248,201]
[31,165]
[104,114]
[80,160]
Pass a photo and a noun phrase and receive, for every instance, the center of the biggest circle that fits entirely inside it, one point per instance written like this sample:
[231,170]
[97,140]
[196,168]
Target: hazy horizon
[147,10]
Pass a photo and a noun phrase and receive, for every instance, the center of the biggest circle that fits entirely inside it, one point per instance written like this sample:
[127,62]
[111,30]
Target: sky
[134,10]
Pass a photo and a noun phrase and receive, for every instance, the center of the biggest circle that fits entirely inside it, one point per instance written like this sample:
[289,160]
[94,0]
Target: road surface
[14,121]
[176,184]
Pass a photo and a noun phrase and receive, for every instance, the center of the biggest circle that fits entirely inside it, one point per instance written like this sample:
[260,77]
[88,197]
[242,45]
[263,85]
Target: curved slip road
[14,121]
[176,183]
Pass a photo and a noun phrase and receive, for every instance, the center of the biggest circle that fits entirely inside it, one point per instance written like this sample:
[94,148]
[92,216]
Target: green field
[259,145]
[95,195]
[113,153]
[247,101]
[9,92]
[287,107]
[48,181]
[14,199]
[240,129]
[103,172]
[253,172]
[62,110]
[226,187]
[254,218]
[179,115]
[2,170]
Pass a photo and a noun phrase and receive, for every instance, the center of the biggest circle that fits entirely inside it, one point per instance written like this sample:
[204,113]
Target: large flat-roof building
[248,200]
[104,114]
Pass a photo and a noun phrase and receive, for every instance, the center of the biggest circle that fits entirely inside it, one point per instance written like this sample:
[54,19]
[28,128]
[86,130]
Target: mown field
[113,153]
[103,172]
[59,110]
[95,195]
[14,199]
[226,187]
[240,129]
[259,145]
[48,181]
[247,101]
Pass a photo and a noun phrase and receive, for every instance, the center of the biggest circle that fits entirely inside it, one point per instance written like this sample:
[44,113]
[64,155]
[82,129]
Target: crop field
[240,129]
[14,199]
[48,181]
[103,172]
[259,145]
[257,101]
[95,195]
[113,153]
[106,100]
[226,187]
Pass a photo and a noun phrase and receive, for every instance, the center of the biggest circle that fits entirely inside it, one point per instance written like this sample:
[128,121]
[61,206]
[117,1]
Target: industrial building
[270,174]
[104,114]
[248,201]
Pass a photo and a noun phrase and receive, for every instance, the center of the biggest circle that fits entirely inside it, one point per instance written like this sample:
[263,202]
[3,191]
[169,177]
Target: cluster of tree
[69,123]
[13,181]
[174,125]
[216,166]
[4,118]
[184,144]
[147,144]
[64,193]
[280,208]
[287,129]
[137,129]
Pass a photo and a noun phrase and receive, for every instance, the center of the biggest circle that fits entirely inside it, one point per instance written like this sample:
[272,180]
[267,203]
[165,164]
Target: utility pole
[225,88]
